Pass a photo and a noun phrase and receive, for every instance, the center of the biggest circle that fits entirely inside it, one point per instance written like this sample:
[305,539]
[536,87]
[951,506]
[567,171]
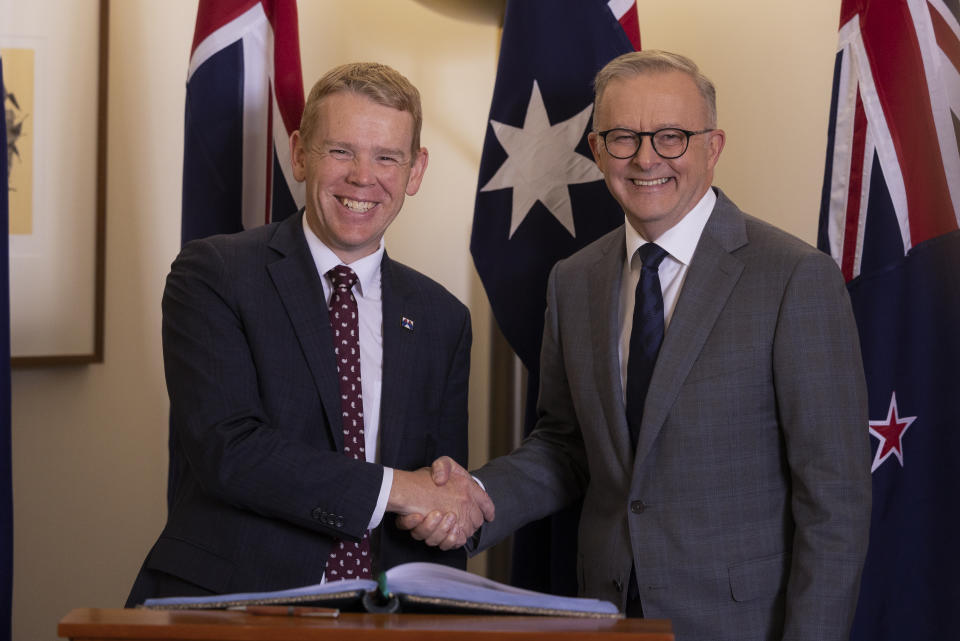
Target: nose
[645,157]
[362,170]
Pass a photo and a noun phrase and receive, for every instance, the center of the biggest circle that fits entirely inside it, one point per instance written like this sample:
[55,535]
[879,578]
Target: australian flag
[540,198]
[244,99]
[889,216]
[6,479]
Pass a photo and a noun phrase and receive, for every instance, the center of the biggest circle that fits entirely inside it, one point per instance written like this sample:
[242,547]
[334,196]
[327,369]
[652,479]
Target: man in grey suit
[293,426]
[739,506]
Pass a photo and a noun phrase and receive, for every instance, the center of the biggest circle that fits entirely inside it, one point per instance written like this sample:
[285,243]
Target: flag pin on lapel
[406,323]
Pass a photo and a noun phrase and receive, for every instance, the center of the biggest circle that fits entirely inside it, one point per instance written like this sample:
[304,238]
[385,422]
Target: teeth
[357,205]
[649,183]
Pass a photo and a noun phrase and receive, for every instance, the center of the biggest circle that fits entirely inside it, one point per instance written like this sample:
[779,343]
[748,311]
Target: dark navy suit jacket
[259,486]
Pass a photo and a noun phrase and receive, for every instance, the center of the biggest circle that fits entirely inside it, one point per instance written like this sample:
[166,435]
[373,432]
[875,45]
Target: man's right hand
[442,506]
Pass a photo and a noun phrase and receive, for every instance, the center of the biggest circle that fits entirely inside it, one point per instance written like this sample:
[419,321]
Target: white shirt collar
[680,241]
[367,268]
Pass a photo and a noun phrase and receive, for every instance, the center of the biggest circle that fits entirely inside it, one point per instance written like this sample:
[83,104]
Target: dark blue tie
[645,337]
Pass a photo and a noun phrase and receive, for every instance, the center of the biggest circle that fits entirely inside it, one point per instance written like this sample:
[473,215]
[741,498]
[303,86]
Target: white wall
[89,443]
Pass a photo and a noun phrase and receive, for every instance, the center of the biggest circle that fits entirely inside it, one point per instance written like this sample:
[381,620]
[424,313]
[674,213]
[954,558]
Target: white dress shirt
[680,241]
[368,293]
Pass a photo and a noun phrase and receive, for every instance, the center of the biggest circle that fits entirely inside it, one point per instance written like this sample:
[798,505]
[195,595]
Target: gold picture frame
[58,108]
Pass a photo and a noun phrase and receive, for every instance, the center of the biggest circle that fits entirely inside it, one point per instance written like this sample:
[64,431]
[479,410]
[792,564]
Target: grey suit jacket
[259,486]
[745,506]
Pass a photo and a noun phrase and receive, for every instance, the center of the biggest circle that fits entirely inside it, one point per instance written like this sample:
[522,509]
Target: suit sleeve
[218,420]
[549,469]
[822,402]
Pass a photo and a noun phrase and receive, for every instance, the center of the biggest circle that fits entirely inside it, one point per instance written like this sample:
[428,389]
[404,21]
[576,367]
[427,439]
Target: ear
[715,143]
[417,168]
[298,157]
[595,148]
[595,143]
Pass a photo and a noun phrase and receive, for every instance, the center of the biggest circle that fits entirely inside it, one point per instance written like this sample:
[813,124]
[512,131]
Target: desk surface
[89,624]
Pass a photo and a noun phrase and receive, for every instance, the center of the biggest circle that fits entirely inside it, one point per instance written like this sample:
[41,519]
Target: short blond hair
[378,82]
[653,61]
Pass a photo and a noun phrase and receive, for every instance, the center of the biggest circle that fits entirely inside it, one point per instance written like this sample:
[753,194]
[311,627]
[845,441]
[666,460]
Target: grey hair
[653,61]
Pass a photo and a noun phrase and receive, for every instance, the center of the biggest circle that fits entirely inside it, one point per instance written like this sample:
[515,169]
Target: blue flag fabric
[889,216]
[549,54]
[6,479]
[541,197]
[244,99]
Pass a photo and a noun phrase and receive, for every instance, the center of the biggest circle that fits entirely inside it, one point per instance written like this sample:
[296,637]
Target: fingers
[446,530]
[453,540]
[476,516]
[442,506]
[434,529]
[485,504]
[409,521]
[442,469]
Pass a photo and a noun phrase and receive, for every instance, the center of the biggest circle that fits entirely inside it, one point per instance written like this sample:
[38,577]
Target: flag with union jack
[540,198]
[244,99]
[889,216]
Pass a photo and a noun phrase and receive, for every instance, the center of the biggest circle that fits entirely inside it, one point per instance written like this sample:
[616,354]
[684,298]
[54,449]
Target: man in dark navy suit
[283,456]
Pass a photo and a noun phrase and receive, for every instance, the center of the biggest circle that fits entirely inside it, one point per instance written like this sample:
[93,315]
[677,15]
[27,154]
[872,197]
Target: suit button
[637,507]
[339,523]
[618,585]
[318,514]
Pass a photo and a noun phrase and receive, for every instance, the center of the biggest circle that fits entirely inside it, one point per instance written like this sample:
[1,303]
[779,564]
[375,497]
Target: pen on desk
[287,610]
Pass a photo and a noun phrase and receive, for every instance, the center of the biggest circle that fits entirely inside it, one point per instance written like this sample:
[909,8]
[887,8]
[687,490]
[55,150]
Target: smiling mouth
[649,183]
[358,206]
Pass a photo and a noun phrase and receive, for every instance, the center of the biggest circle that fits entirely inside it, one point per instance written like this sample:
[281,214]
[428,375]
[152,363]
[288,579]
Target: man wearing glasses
[702,389]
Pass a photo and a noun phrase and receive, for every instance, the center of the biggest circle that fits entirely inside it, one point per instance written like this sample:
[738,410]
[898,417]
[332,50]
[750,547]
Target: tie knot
[342,277]
[652,255]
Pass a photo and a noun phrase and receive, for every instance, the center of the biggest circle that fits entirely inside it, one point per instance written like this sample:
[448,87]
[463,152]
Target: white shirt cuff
[385,486]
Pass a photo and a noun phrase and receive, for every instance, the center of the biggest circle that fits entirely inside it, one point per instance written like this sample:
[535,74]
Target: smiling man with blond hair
[310,375]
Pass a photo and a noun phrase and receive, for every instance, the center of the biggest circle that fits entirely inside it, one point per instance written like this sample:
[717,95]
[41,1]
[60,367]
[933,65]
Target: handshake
[442,506]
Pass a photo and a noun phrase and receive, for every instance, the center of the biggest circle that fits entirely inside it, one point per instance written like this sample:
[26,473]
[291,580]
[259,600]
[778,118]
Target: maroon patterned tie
[348,560]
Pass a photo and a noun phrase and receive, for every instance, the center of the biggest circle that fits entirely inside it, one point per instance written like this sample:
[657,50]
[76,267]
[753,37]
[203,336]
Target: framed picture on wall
[55,75]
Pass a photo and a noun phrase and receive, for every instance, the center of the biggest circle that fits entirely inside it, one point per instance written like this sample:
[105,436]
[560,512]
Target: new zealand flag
[244,99]
[889,216]
[541,197]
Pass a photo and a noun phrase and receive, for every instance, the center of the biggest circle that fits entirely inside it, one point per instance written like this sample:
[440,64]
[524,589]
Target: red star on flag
[890,431]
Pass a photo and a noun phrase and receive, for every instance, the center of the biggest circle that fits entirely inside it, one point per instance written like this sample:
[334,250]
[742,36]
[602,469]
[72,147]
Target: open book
[421,587]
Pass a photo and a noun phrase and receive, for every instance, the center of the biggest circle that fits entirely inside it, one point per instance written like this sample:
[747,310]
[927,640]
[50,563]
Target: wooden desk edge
[88,624]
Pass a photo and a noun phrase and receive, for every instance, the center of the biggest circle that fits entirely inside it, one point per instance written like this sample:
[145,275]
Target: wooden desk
[88,624]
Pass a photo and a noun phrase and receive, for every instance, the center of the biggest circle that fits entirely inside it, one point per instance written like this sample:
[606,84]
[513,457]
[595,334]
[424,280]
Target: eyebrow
[670,125]
[377,151]
[387,151]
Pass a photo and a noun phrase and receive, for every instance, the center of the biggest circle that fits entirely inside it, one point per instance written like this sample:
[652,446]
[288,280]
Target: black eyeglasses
[669,143]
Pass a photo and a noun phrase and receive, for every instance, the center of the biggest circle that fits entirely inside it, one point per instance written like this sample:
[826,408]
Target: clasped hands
[441,505]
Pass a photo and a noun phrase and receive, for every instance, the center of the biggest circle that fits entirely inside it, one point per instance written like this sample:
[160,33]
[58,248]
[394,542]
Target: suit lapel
[603,282]
[399,301]
[712,275]
[294,274]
